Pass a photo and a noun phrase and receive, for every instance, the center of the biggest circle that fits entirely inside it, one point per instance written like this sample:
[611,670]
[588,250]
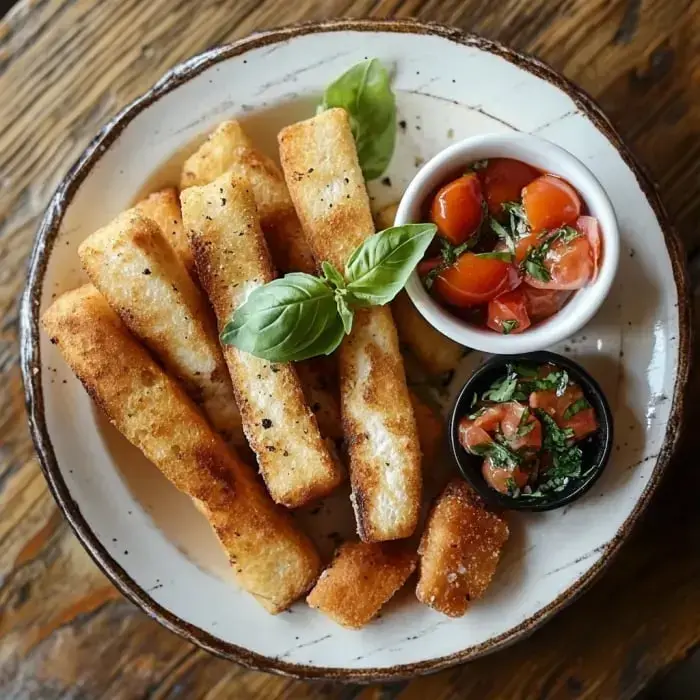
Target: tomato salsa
[513,244]
[528,426]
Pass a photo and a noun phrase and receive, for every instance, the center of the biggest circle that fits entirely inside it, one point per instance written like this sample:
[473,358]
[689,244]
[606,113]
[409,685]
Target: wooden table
[65,67]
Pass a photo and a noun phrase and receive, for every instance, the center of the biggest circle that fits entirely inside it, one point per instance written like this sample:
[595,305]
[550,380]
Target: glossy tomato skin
[543,303]
[473,280]
[508,307]
[550,202]
[569,264]
[503,180]
[499,478]
[457,208]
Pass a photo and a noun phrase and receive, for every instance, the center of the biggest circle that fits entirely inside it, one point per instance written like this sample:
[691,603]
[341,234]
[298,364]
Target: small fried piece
[232,259]
[272,559]
[320,165]
[437,353]
[142,279]
[163,207]
[459,550]
[430,428]
[361,578]
[228,149]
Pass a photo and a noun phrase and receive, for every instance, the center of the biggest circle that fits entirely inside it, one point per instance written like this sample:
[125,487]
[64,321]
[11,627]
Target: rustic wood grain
[65,67]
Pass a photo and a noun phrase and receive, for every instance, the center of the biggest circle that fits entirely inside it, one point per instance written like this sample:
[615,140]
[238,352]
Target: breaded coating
[326,184]
[361,578]
[164,208]
[430,429]
[273,560]
[229,149]
[232,259]
[459,550]
[438,354]
[142,279]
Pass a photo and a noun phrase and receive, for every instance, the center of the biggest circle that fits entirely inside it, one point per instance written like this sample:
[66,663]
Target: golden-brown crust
[163,207]
[361,578]
[228,149]
[436,352]
[273,560]
[325,181]
[143,280]
[231,259]
[459,550]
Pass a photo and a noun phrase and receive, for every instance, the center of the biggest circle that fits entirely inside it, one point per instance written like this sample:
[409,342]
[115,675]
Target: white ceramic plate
[150,540]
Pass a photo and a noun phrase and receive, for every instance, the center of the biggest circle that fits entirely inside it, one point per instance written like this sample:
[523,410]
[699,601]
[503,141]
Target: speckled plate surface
[151,541]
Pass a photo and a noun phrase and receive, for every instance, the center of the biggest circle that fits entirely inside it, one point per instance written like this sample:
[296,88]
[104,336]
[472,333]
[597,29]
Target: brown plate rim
[31,369]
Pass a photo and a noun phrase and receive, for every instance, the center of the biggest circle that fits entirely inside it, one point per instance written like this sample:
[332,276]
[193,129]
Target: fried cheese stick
[361,578]
[459,550]
[132,264]
[229,149]
[325,181]
[273,560]
[163,207]
[232,259]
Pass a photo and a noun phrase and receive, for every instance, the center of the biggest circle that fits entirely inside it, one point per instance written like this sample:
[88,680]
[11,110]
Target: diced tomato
[569,264]
[511,309]
[522,246]
[589,227]
[543,303]
[550,202]
[498,478]
[473,280]
[583,422]
[504,180]
[491,418]
[471,435]
[511,425]
[457,208]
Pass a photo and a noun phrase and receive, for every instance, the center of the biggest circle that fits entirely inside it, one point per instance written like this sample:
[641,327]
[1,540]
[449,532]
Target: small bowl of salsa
[527,243]
[531,432]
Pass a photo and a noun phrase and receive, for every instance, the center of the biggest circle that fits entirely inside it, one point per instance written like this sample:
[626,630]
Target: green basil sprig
[301,315]
[365,93]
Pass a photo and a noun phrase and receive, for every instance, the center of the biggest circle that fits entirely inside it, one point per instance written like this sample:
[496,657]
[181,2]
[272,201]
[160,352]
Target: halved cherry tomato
[473,280]
[543,303]
[499,478]
[457,208]
[589,227]
[504,180]
[550,202]
[508,313]
[522,246]
[583,422]
[569,264]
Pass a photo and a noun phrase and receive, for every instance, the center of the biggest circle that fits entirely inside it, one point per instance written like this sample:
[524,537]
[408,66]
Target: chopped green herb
[475,398]
[500,455]
[524,370]
[477,413]
[525,426]
[533,263]
[576,407]
[518,218]
[509,325]
[512,487]
[567,459]
[502,389]
[504,234]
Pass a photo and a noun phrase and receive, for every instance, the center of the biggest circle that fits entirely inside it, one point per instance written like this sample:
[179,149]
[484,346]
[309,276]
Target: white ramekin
[547,157]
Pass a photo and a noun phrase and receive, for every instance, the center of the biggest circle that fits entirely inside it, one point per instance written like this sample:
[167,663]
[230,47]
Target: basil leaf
[379,268]
[345,312]
[365,93]
[500,455]
[331,274]
[502,390]
[576,407]
[287,320]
